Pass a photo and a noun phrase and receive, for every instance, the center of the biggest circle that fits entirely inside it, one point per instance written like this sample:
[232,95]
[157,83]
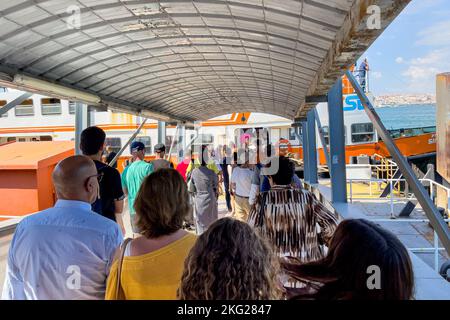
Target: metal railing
[432,193]
[434,249]
[434,187]
[386,169]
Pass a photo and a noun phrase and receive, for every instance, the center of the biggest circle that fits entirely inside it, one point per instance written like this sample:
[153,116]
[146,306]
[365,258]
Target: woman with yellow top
[152,264]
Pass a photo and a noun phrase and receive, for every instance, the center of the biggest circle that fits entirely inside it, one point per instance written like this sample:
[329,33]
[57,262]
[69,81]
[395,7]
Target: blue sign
[352,103]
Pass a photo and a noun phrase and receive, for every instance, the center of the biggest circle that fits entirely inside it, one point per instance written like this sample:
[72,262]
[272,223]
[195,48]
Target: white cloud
[421,71]
[399,60]
[377,74]
[436,35]
[417,7]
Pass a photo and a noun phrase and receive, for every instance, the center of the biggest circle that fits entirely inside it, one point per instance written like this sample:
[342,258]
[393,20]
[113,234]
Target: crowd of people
[277,241]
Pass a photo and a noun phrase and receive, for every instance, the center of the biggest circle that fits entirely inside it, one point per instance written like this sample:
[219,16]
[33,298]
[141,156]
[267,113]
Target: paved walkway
[412,234]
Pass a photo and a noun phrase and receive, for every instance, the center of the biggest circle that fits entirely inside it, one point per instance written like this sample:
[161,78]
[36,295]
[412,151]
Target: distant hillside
[401,99]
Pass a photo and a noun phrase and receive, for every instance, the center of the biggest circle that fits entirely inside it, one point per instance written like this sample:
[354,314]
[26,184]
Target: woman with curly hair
[150,266]
[230,262]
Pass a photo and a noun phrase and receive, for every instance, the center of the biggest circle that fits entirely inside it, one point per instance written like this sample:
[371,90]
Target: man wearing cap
[133,175]
[160,162]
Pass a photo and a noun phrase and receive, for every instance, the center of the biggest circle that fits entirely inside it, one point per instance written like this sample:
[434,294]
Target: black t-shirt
[110,190]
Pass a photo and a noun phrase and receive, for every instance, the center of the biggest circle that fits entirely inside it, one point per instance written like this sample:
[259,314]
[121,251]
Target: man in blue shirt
[363,68]
[64,252]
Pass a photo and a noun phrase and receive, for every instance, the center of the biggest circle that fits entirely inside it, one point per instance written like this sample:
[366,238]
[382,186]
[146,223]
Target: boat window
[45,138]
[292,134]
[147,142]
[114,142]
[362,132]
[50,106]
[203,138]
[11,139]
[326,134]
[25,108]
[72,107]
[3,103]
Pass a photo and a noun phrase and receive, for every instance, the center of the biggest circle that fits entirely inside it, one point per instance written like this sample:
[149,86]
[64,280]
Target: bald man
[64,252]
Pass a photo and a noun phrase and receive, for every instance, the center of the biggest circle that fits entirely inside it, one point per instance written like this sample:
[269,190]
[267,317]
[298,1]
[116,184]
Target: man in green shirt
[133,175]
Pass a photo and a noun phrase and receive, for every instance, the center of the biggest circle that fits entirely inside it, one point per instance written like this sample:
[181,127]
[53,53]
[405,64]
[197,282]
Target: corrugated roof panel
[189,59]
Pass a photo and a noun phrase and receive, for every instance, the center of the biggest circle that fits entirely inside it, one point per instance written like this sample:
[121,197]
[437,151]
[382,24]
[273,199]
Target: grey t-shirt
[161,163]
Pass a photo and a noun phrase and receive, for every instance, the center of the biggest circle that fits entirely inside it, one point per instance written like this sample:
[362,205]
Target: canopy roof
[187,60]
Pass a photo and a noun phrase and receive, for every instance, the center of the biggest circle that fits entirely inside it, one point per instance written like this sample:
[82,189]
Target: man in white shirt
[241,182]
[64,252]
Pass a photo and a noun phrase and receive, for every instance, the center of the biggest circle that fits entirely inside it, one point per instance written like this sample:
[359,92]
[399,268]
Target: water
[408,116]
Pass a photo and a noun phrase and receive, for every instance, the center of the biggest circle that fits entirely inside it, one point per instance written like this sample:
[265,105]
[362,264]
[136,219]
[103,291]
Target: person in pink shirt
[183,165]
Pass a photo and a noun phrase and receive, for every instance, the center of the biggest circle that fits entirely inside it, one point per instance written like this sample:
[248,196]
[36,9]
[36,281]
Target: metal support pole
[174,137]
[337,144]
[419,191]
[436,251]
[392,199]
[91,116]
[306,164]
[189,144]
[15,102]
[322,139]
[312,148]
[351,190]
[162,132]
[133,136]
[296,125]
[81,123]
[181,145]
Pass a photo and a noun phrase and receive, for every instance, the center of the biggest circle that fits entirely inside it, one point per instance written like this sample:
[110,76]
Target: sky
[412,50]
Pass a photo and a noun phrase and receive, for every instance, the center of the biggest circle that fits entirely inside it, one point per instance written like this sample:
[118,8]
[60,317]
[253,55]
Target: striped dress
[294,221]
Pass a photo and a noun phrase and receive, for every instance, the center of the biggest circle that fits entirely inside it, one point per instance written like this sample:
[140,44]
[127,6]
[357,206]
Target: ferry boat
[42,118]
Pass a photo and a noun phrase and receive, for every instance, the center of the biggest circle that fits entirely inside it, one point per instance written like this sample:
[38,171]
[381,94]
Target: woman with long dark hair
[364,261]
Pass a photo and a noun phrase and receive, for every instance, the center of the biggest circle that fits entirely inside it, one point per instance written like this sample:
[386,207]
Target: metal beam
[351,41]
[306,164]
[189,144]
[133,136]
[297,124]
[312,147]
[337,144]
[419,191]
[181,145]
[322,139]
[162,132]
[174,137]
[316,99]
[15,102]
[81,123]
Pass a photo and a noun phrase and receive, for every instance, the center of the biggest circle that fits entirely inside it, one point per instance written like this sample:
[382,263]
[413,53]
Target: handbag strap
[123,247]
